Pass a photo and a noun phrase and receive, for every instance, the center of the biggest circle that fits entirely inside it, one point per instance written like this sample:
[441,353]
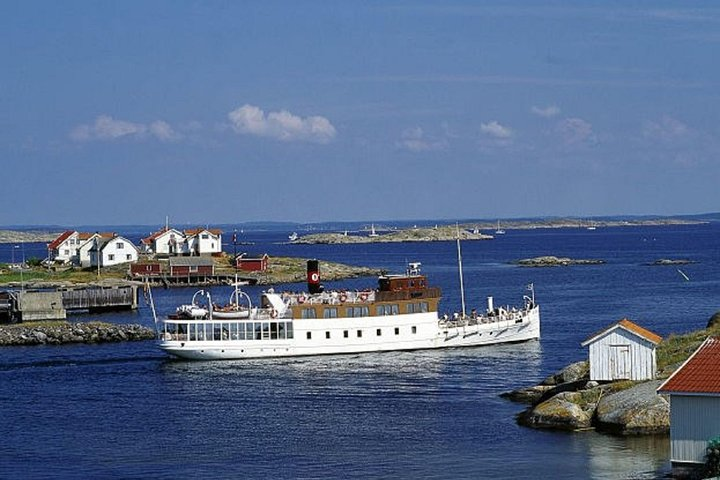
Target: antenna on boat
[462,287]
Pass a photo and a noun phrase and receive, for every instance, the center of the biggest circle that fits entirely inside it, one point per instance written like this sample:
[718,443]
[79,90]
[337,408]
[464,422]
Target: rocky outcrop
[568,401]
[57,333]
[637,410]
[666,261]
[714,321]
[440,234]
[551,261]
[561,412]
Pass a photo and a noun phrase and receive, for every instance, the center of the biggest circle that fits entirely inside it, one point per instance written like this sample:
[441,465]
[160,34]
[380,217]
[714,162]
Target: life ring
[273,313]
[343,298]
[363,296]
[301,299]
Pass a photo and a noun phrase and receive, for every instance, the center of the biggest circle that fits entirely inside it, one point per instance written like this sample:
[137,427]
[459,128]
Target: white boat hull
[377,334]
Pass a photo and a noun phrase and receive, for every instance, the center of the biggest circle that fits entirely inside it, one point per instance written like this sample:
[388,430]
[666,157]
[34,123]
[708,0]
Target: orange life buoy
[363,296]
[343,298]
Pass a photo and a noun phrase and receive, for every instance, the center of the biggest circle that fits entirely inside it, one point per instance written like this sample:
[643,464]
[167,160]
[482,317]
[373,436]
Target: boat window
[357,312]
[379,332]
[308,313]
[359,333]
[330,312]
[241,332]
[413,329]
[281,330]
[397,330]
[327,334]
[345,333]
[289,329]
[309,335]
[266,330]
[424,307]
[395,309]
[273,330]
[258,330]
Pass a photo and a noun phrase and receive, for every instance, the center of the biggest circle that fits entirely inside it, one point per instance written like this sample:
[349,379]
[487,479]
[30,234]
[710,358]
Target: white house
[166,241]
[623,351]
[113,251]
[202,241]
[694,395]
[83,251]
[71,247]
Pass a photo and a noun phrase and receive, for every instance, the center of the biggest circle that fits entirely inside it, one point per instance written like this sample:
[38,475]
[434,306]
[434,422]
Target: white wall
[162,246]
[641,356]
[118,250]
[693,421]
[211,244]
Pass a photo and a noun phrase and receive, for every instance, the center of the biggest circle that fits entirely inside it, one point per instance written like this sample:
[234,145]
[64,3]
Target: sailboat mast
[462,287]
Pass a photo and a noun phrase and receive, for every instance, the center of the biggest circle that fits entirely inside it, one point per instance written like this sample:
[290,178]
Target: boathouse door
[619,362]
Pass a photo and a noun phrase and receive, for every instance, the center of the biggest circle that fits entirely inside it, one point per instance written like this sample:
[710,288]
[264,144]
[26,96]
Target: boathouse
[694,395]
[252,263]
[152,269]
[623,351]
[191,266]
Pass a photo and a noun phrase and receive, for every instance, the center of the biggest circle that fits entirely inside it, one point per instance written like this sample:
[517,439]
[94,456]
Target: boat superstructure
[400,314]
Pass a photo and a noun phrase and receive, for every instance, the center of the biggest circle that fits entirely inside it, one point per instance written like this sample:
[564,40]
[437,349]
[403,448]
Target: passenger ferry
[400,314]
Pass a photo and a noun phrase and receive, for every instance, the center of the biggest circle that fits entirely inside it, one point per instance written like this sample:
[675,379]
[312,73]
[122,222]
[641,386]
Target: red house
[249,263]
[145,269]
[191,266]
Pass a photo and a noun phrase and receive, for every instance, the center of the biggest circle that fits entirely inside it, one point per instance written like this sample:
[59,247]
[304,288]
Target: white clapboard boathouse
[622,351]
[694,395]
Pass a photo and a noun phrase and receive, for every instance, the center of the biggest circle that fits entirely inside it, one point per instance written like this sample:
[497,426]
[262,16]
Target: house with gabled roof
[71,247]
[622,351]
[166,241]
[203,241]
[87,242]
[694,396]
[112,251]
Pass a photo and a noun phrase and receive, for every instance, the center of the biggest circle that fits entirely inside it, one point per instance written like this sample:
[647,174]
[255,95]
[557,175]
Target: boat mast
[462,287]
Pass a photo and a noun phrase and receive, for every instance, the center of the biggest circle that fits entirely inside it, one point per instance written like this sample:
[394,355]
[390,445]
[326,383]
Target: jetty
[54,303]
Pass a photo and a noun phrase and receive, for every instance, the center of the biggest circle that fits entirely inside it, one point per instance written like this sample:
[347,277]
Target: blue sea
[129,411]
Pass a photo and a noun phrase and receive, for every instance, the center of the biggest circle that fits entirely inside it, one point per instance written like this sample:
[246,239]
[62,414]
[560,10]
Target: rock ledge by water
[552,261]
[57,333]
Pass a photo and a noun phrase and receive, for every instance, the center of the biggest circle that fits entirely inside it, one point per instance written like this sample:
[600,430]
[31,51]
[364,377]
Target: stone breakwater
[62,333]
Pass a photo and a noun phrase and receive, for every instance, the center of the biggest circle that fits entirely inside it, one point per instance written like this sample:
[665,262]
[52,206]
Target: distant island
[551,261]
[473,231]
[26,236]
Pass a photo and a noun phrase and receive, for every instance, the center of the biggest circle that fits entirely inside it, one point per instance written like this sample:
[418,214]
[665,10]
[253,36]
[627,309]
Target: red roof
[196,231]
[149,240]
[629,326]
[63,236]
[699,374]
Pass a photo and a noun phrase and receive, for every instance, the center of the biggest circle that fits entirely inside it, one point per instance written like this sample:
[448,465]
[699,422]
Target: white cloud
[576,131]
[415,140]
[547,112]
[495,130]
[108,128]
[281,125]
[666,129]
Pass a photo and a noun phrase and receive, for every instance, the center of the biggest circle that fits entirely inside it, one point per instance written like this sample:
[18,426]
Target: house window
[111,257]
[193,268]
[309,335]
[120,245]
[67,252]
[204,236]
[128,257]
[327,334]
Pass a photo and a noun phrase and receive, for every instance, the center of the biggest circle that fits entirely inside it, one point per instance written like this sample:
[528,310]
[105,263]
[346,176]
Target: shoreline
[61,332]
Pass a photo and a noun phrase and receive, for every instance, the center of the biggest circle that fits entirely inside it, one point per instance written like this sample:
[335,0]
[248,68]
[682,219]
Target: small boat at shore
[400,314]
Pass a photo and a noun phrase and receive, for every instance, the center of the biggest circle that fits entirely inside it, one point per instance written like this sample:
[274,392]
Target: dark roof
[190,261]
[700,374]
[626,324]
[196,231]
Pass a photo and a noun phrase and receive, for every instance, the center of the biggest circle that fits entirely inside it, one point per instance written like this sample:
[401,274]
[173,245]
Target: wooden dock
[168,281]
[53,304]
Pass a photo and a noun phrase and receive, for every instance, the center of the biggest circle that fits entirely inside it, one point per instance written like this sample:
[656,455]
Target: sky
[119,113]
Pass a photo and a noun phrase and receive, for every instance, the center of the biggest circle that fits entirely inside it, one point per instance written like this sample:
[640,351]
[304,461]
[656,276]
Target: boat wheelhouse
[400,314]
